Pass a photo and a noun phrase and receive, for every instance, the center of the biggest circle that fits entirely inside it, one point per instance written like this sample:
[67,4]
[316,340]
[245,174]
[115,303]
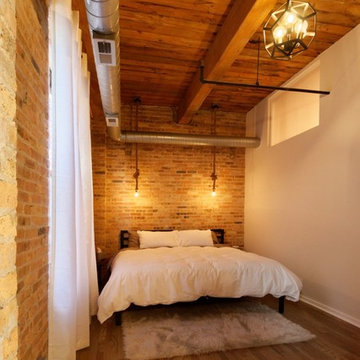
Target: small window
[293,113]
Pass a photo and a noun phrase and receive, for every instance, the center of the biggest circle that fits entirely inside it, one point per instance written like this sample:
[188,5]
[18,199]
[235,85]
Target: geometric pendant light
[290,30]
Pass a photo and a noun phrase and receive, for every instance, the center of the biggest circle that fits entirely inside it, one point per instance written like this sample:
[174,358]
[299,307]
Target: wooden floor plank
[335,340]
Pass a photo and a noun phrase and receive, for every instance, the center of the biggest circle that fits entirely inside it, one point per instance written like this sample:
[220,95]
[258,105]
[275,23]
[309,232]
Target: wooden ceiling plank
[157,23]
[143,56]
[171,12]
[243,20]
[205,7]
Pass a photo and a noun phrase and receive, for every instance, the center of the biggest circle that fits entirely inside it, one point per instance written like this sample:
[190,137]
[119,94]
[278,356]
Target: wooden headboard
[124,237]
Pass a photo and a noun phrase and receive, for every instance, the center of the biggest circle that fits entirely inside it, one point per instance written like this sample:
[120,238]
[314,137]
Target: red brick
[175,184]
[32,177]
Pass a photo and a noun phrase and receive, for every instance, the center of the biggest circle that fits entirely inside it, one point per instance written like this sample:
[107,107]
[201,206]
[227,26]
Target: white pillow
[151,239]
[195,238]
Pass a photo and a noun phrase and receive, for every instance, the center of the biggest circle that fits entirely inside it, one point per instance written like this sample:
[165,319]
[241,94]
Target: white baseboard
[331,311]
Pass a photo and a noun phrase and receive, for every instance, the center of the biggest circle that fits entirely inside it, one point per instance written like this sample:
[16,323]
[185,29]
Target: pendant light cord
[258,63]
[214,108]
[137,102]
[136,129]
[214,133]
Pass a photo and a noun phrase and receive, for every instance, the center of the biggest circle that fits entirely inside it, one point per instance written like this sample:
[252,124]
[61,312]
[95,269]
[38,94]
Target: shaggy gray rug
[153,333]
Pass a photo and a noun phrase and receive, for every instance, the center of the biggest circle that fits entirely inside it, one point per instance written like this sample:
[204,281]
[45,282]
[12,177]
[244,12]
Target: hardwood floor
[335,340]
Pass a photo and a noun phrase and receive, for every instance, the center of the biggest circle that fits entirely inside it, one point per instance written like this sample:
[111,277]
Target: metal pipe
[103,15]
[145,137]
[258,86]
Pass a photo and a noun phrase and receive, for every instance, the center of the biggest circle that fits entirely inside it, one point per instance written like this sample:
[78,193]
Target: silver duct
[103,18]
[187,139]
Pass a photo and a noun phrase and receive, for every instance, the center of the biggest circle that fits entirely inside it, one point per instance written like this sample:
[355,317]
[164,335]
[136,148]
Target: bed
[170,272]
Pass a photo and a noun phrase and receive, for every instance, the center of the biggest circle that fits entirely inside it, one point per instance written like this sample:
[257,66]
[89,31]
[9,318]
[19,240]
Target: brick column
[32,167]
[8,189]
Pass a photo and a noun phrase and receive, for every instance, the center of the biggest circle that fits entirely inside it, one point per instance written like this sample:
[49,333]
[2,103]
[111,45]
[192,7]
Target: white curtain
[73,288]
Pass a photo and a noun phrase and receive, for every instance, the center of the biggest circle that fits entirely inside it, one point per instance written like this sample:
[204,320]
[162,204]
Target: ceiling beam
[244,18]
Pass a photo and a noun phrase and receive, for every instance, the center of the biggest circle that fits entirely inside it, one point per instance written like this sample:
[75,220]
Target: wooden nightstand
[103,271]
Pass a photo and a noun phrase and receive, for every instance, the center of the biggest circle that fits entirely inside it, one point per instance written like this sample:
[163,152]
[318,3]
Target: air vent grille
[104,49]
[112,120]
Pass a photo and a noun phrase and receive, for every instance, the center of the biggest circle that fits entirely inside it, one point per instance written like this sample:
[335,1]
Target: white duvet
[168,275]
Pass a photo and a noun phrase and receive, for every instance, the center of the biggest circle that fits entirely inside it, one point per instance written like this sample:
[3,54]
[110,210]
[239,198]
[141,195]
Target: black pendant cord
[258,63]
[255,86]
[136,129]
[137,172]
[214,108]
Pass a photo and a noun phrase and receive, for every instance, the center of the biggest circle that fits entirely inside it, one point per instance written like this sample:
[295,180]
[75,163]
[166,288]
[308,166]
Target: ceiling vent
[104,48]
[112,120]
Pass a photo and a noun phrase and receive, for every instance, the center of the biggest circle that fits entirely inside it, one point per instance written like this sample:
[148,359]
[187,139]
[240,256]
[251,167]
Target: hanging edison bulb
[214,178]
[136,176]
[290,30]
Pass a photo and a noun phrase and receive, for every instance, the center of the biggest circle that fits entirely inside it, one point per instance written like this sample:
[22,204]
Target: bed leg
[281,304]
[118,318]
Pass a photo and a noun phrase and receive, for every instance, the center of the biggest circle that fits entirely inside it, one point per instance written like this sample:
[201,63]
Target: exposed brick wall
[174,184]
[32,176]
[8,190]
[98,153]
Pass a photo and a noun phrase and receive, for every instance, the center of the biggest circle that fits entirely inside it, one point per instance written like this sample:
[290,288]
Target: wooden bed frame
[124,238]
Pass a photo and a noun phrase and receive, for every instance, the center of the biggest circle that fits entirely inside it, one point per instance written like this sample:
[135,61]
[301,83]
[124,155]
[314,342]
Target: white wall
[302,196]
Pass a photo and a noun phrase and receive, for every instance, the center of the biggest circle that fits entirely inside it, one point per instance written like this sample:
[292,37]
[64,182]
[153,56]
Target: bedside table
[103,271]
